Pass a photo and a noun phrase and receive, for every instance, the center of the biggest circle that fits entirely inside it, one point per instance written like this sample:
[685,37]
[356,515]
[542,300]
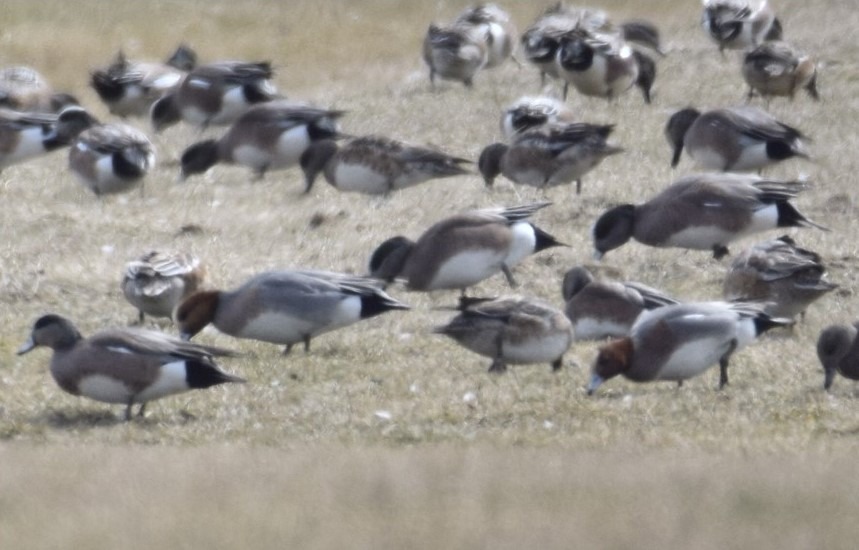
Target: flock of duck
[652,336]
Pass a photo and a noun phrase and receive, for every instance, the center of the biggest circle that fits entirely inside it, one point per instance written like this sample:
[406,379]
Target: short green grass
[369,440]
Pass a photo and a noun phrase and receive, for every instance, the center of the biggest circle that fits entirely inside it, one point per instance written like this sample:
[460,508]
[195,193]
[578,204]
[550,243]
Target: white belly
[358,178]
[468,268]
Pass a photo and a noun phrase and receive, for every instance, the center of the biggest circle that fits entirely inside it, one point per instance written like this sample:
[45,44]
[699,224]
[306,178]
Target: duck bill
[26,346]
[596,382]
[828,378]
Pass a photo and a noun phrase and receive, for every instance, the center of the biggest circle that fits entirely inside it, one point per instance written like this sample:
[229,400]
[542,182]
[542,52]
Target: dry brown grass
[299,457]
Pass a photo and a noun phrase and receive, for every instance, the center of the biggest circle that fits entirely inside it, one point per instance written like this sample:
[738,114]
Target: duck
[550,156]
[285,307]
[25,89]
[734,25]
[24,135]
[124,365]
[779,69]
[533,113]
[778,273]
[215,94]
[157,281]
[268,136]
[606,309]
[111,158]
[376,165]
[463,250]
[603,65]
[680,341]
[455,52]
[497,28]
[838,352]
[511,330]
[703,212]
[129,88]
[540,42]
[733,139]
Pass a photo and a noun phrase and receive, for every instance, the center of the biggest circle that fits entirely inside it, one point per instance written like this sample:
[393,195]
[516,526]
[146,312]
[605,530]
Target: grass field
[368,441]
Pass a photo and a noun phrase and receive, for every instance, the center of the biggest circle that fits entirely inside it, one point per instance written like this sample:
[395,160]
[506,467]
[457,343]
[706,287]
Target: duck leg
[498,365]
[723,364]
[509,275]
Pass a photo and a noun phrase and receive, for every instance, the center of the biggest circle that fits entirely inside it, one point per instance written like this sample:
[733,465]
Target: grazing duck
[111,158]
[27,135]
[606,309]
[779,274]
[129,88]
[734,25]
[455,52]
[156,282]
[533,113]
[735,139]
[541,41]
[779,69]
[128,366]
[495,25]
[838,351]
[603,65]
[554,155]
[678,342]
[215,94]
[511,330]
[462,250]
[376,165]
[269,136]
[703,212]
[285,307]
[25,89]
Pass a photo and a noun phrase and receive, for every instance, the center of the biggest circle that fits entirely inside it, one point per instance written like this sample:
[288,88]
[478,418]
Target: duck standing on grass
[128,366]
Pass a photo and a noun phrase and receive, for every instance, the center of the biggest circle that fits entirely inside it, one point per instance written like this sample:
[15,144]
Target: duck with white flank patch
[681,341]
[269,136]
[128,366]
[376,165]
[511,330]
[533,113]
[129,88]
[28,135]
[703,212]
[779,69]
[735,139]
[549,156]
[462,250]
[111,158]
[285,307]
[215,94]
[734,25]
[606,309]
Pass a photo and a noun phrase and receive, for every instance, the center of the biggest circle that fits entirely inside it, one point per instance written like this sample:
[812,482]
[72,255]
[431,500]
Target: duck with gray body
[532,113]
[215,94]
[129,88]
[497,29]
[24,135]
[735,139]
[703,212]
[838,351]
[111,158]
[285,307]
[128,366]
[734,25]
[678,342]
[376,165]
[269,136]
[553,155]
[606,309]
[462,250]
[455,52]
[511,330]
[24,89]
[779,274]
